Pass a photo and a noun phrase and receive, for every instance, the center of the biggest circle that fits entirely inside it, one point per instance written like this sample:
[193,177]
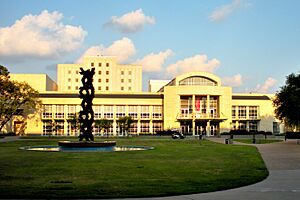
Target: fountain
[86,115]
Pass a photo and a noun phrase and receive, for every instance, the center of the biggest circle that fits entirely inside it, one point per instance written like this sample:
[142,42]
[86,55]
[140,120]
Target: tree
[16,98]
[74,122]
[124,123]
[103,124]
[287,102]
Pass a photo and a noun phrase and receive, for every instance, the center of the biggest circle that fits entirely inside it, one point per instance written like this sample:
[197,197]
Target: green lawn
[174,167]
[257,141]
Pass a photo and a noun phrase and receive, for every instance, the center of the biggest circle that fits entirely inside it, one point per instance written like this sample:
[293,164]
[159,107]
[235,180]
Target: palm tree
[103,124]
[124,123]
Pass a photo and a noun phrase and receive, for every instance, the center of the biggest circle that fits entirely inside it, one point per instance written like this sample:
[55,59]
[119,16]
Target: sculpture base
[86,144]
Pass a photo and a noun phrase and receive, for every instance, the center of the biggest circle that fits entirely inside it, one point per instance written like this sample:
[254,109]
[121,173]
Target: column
[194,127]
[208,128]
[208,106]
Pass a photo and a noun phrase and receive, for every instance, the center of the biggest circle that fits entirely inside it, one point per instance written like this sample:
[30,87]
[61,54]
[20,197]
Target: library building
[193,103]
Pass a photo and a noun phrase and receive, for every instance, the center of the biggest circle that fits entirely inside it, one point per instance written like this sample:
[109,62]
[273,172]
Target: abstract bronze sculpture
[86,115]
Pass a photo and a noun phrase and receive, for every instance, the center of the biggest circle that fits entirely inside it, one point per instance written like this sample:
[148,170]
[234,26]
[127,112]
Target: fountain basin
[86,144]
[85,149]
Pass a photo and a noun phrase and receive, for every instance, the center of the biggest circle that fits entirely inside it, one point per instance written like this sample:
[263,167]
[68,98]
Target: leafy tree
[74,122]
[103,124]
[16,98]
[124,123]
[287,102]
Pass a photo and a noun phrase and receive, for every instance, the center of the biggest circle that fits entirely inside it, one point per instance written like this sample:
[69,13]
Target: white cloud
[196,63]
[221,13]
[39,36]
[153,62]
[266,86]
[130,22]
[123,49]
[234,81]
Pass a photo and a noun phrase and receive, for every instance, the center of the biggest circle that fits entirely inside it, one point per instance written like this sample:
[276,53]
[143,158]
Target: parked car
[178,135]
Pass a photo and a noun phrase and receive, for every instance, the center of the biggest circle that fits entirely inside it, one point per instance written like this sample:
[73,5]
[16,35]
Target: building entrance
[186,127]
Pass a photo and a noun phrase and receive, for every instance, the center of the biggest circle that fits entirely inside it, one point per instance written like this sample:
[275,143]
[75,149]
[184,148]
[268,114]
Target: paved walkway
[9,138]
[283,183]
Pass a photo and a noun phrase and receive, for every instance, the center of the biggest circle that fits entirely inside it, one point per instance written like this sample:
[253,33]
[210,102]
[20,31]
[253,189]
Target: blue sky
[252,45]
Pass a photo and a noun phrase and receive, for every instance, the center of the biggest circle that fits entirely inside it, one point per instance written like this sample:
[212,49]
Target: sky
[252,45]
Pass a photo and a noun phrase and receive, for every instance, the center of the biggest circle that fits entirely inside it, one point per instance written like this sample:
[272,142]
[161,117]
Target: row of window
[242,125]
[244,112]
[57,128]
[103,111]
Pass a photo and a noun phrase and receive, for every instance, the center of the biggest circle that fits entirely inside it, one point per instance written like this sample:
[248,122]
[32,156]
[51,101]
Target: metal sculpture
[86,115]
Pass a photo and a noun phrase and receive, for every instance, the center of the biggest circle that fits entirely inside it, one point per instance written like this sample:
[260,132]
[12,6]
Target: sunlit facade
[194,103]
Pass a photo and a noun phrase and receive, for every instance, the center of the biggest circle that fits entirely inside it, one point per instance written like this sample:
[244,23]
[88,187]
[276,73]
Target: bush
[292,135]
[8,134]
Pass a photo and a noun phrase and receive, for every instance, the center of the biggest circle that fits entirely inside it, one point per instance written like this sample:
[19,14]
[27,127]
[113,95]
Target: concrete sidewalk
[9,138]
[283,183]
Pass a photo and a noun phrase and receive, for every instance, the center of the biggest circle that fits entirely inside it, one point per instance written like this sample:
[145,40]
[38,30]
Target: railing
[197,116]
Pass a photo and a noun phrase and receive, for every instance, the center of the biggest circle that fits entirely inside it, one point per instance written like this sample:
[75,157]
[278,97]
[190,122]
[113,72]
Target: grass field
[257,141]
[174,167]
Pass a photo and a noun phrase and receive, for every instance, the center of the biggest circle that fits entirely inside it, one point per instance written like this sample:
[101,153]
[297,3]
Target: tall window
[99,64]
[120,111]
[186,106]
[144,127]
[213,106]
[47,111]
[71,110]
[97,111]
[157,126]
[276,127]
[133,128]
[242,125]
[253,114]
[107,64]
[108,112]
[92,64]
[252,126]
[47,127]
[157,112]
[132,112]
[242,112]
[59,111]
[233,112]
[145,112]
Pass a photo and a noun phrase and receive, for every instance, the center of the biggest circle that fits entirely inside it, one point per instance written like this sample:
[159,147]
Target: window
[233,112]
[122,72]
[129,80]
[99,64]
[186,106]
[69,80]
[157,126]
[107,80]
[99,72]
[76,80]
[122,88]
[197,80]
[69,72]
[107,72]
[59,111]
[97,111]
[47,111]
[132,112]
[129,72]
[107,64]
[71,111]
[242,112]
[276,127]
[108,112]
[133,128]
[76,87]
[253,112]
[145,112]
[144,127]
[242,125]
[252,126]
[60,127]
[99,80]
[129,88]
[120,111]
[107,88]
[69,87]
[213,106]
[122,80]
[99,87]
[77,72]
[47,128]
[92,64]
[157,112]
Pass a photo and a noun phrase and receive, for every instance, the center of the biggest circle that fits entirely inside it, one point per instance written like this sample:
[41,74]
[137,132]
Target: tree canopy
[287,102]
[124,123]
[16,98]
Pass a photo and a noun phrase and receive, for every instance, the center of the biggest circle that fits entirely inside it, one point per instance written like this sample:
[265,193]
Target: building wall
[40,82]
[109,76]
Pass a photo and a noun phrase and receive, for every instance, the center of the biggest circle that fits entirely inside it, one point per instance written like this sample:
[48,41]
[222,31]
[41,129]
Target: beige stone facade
[195,103]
